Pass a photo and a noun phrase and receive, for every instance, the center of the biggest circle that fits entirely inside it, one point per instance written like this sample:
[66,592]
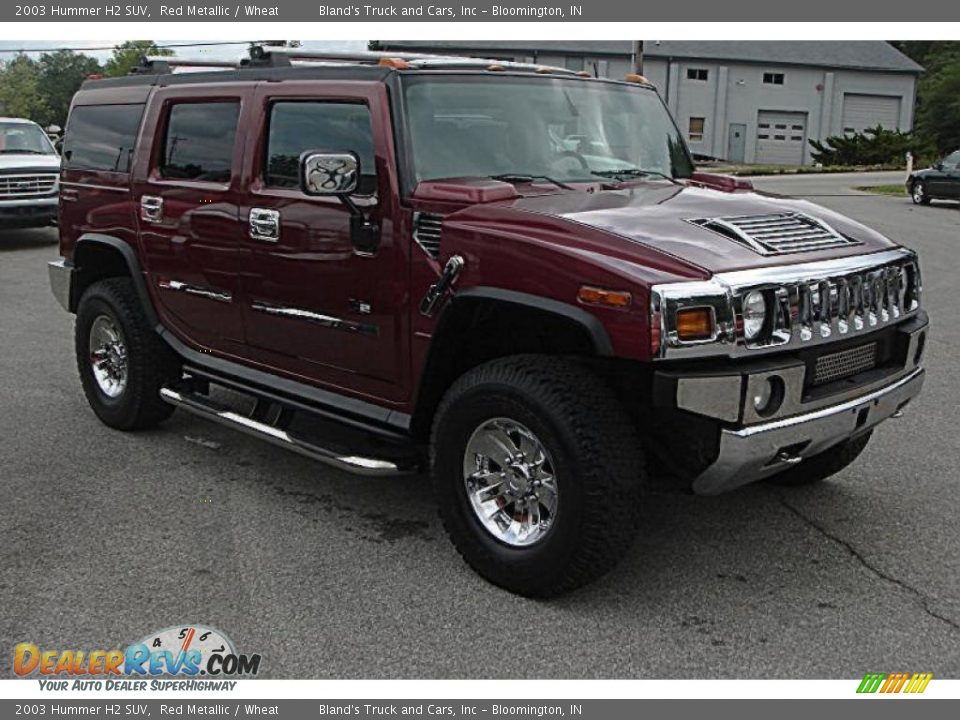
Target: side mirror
[938,165]
[329,173]
[337,174]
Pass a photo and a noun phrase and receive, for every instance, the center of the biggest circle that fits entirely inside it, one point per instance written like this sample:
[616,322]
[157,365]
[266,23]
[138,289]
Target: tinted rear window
[199,141]
[101,137]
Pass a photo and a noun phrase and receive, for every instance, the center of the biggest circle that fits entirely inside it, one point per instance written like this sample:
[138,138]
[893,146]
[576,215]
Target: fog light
[754,314]
[767,395]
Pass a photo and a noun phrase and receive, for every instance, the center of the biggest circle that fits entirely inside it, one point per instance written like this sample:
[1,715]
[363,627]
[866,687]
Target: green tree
[874,146]
[61,74]
[127,56]
[938,94]
[20,94]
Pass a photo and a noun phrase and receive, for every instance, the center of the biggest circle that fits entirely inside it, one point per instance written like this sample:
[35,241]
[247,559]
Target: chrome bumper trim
[61,281]
[759,451]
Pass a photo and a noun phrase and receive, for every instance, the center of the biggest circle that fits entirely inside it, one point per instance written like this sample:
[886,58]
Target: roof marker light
[395,63]
[635,78]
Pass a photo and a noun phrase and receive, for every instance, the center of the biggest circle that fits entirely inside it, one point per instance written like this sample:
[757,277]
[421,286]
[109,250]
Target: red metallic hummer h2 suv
[510,275]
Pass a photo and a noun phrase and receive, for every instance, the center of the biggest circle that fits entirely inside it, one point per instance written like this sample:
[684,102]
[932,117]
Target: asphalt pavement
[109,536]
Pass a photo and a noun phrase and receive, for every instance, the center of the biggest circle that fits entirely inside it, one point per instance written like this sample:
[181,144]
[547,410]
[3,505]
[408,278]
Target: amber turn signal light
[695,324]
[609,298]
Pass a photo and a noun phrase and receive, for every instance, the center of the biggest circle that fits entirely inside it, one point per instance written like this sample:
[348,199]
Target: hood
[659,214]
[10,162]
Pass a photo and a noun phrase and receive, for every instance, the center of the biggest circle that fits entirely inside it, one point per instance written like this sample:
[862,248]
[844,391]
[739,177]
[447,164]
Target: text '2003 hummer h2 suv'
[509,273]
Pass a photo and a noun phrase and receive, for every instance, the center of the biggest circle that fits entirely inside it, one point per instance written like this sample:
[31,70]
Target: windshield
[563,130]
[25,139]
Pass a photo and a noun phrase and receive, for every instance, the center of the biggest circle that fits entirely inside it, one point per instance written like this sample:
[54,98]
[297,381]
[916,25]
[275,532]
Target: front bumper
[744,445]
[28,212]
[758,451]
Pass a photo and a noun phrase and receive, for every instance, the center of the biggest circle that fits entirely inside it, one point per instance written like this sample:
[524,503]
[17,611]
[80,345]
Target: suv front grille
[809,306]
[426,231]
[843,364]
[14,187]
[777,233]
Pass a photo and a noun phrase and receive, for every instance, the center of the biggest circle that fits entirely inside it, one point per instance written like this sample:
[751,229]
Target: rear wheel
[824,465]
[918,193]
[537,471]
[122,362]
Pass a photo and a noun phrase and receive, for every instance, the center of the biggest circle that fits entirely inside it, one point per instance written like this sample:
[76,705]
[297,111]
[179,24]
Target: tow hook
[449,276]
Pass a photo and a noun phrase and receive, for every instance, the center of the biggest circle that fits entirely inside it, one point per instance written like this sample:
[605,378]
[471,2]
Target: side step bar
[210,410]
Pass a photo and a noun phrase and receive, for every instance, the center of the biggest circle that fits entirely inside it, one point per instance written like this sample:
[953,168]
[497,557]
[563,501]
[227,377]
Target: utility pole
[636,56]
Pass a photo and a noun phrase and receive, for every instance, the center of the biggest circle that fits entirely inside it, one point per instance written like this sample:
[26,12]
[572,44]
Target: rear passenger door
[187,193]
[317,306]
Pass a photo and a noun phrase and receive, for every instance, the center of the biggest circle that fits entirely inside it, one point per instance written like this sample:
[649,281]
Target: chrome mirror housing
[329,173]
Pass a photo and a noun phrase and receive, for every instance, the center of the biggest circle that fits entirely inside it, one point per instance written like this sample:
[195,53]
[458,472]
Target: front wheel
[537,470]
[122,362]
[918,193]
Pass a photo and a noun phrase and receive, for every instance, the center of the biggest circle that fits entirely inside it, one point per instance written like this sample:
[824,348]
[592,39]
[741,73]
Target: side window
[952,161]
[198,144]
[297,126]
[101,137]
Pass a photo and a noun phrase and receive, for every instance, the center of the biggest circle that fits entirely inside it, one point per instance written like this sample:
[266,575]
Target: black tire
[918,193]
[824,465]
[150,363]
[597,459]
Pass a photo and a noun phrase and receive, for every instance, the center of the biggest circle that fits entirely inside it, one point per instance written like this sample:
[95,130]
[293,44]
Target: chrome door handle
[264,224]
[151,208]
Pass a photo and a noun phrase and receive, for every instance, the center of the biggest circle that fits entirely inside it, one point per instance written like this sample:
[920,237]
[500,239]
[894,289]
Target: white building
[743,102]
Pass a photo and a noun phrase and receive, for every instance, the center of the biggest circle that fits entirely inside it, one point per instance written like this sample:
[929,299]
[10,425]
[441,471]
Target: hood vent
[778,233]
[426,231]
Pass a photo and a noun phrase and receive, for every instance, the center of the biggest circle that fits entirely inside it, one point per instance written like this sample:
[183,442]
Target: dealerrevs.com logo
[185,652]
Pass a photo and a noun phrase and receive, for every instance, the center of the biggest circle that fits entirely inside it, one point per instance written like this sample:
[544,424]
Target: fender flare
[588,322]
[133,266]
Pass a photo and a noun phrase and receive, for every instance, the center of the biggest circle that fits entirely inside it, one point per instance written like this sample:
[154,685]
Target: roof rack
[286,57]
[159,65]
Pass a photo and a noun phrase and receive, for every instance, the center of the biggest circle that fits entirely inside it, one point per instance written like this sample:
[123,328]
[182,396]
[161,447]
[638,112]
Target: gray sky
[219,52]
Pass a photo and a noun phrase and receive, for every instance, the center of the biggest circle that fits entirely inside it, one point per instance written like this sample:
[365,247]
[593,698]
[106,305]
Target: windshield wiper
[22,152]
[633,173]
[515,178]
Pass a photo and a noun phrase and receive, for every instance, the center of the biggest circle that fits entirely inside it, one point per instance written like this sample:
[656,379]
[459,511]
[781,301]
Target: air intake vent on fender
[426,231]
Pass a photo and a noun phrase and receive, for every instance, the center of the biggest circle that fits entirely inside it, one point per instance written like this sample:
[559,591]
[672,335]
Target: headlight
[754,314]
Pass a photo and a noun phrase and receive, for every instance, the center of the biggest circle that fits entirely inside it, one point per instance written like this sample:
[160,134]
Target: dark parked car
[397,265]
[940,182]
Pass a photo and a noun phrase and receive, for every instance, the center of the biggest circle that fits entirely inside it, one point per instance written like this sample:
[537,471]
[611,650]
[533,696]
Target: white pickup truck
[29,175]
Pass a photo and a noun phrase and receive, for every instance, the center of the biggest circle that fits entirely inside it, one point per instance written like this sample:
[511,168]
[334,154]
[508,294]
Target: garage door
[781,137]
[867,111]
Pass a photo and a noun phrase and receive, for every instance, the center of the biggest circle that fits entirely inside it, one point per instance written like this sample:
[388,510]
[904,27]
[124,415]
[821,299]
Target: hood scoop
[426,232]
[777,233]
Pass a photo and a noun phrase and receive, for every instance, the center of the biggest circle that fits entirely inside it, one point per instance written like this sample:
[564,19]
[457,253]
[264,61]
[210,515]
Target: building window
[773,78]
[697,73]
[695,133]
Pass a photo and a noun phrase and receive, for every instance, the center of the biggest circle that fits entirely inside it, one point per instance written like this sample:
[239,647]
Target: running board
[210,410]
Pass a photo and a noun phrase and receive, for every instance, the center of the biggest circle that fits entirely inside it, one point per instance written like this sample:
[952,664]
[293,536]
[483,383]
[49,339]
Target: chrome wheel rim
[510,482]
[108,356]
[918,192]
